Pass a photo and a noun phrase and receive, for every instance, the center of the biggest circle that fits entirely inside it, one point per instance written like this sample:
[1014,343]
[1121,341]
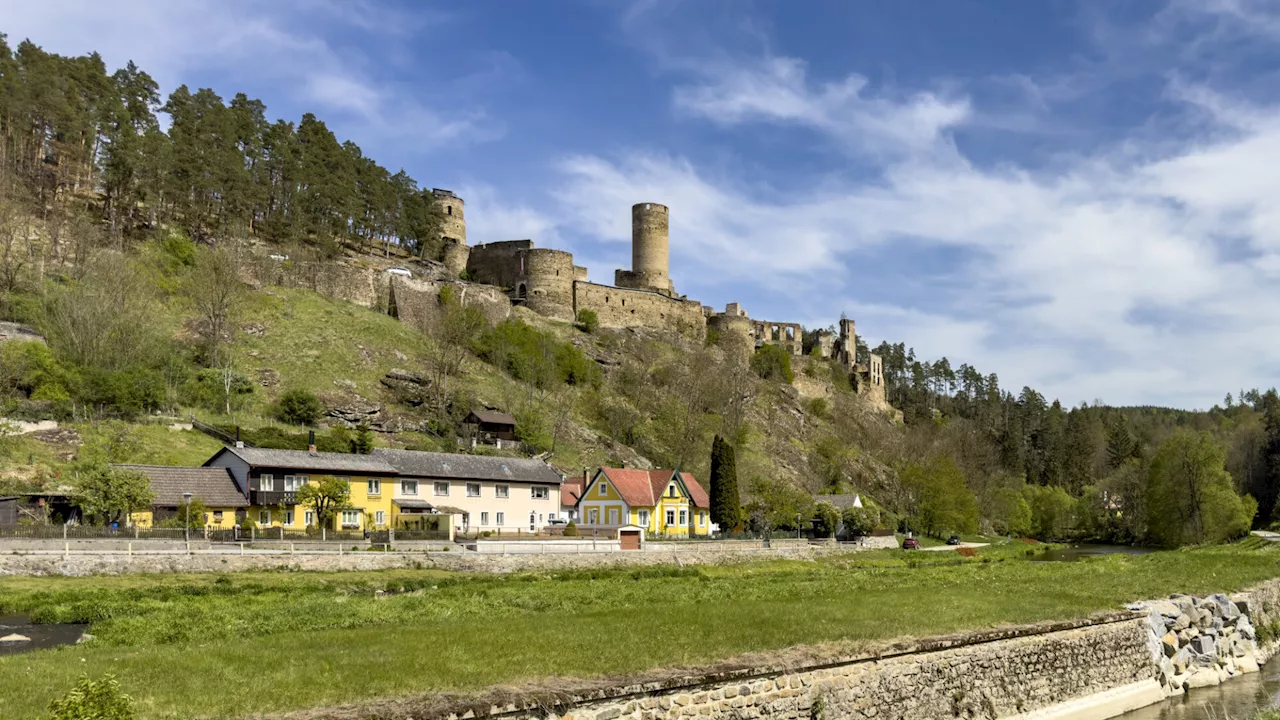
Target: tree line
[82,145]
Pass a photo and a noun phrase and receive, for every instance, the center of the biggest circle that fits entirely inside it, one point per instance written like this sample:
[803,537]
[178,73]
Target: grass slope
[202,646]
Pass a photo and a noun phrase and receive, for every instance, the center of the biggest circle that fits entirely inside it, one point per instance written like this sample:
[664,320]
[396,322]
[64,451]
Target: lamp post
[797,526]
[186,499]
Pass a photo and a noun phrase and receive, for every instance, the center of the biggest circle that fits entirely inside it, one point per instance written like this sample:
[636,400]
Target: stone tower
[649,250]
[453,231]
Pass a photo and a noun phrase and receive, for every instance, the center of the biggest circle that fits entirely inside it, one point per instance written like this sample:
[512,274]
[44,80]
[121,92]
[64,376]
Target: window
[702,518]
[264,517]
[288,517]
[473,490]
[671,517]
[309,517]
[684,517]
[484,518]
[593,517]
[539,492]
[380,517]
[350,518]
[501,518]
[604,488]
[671,490]
[442,488]
[267,483]
[613,516]
[501,491]
[551,517]
[644,518]
[373,487]
[294,482]
[408,487]
[217,517]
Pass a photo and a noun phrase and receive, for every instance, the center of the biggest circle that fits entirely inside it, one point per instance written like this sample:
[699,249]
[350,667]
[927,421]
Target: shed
[8,511]
[492,427]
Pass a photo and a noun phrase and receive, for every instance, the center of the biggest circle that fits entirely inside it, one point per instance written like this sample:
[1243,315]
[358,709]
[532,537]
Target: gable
[602,488]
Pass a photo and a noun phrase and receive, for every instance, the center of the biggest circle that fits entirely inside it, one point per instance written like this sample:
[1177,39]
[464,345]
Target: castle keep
[547,282]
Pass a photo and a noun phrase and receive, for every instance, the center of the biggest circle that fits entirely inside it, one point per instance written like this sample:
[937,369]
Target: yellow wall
[360,499]
[594,500]
[145,519]
[657,524]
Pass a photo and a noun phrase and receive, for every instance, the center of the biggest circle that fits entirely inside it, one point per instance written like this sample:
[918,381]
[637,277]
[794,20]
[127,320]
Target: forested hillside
[119,239]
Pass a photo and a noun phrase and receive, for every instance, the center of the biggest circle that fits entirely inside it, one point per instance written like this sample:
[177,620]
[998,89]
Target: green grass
[216,646]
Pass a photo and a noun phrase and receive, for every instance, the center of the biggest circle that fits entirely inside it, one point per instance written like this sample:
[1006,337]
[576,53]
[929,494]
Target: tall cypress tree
[726,510]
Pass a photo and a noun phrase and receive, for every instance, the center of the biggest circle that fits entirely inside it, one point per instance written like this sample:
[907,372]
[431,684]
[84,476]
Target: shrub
[588,320]
[299,407]
[571,530]
[94,700]
[861,521]
[828,518]
[196,516]
[818,407]
[773,362]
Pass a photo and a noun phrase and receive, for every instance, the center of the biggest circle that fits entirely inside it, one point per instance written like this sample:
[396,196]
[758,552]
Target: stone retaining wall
[1093,668]
[81,565]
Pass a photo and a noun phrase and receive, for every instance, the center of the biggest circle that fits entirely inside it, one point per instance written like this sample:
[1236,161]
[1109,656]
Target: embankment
[1092,668]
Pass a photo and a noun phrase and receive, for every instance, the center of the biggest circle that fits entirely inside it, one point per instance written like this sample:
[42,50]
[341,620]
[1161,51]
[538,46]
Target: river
[1072,553]
[1236,699]
[42,636]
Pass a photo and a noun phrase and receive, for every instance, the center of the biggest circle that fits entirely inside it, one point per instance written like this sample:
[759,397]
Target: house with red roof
[663,502]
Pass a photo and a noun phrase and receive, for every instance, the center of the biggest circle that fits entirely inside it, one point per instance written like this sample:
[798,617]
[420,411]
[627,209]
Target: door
[629,539]
[613,516]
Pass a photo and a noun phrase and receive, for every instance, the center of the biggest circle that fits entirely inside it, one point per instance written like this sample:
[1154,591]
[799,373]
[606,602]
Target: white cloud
[246,43]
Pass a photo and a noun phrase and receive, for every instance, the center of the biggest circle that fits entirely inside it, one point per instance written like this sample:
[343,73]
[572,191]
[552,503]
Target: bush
[94,700]
[828,518]
[588,321]
[773,362]
[818,408]
[528,354]
[299,407]
[197,516]
[859,522]
[571,530]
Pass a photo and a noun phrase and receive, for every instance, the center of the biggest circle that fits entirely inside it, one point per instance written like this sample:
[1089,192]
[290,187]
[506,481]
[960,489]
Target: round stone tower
[649,261]
[548,287]
[454,228]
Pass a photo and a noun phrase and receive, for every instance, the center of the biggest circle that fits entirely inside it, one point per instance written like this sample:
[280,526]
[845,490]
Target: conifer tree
[726,510]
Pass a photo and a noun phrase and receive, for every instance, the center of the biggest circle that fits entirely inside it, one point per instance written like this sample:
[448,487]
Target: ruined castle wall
[335,280]
[550,283]
[736,335]
[826,344]
[580,273]
[417,302]
[788,335]
[622,307]
[455,257]
[499,263]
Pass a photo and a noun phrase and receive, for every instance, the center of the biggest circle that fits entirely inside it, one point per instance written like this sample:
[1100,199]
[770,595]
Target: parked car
[558,521]
[400,271]
[953,540]
[911,544]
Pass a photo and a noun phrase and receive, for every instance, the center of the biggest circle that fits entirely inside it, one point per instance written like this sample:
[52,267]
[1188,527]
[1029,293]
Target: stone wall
[550,283]
[737,337]
[621,307]
[455,256]
[341,282]
[788,335]
[499,263]
[417,302]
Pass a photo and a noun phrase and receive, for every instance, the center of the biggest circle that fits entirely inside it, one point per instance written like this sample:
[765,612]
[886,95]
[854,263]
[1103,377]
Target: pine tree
[726,510]
[1121,444]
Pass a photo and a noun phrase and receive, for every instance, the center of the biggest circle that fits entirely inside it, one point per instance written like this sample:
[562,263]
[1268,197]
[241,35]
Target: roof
[415,504]
[570,492]
[643,488]
[492,417]
[215,487]
[840,501]
[468,467]
[303,460]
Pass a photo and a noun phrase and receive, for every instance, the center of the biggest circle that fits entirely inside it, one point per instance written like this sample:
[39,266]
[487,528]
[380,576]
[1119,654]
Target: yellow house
[663,502]
[224,501]
[272,478]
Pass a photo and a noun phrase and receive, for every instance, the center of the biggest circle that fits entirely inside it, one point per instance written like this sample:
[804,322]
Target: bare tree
[452,330]
[217,294]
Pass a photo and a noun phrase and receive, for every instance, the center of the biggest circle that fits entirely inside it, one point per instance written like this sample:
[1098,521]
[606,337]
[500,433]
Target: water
[1236,699]
[42,636]
[1073,553]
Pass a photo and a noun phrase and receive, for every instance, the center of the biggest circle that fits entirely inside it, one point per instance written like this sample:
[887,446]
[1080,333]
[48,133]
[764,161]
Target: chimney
[239,443]
[311,442]
[586,477]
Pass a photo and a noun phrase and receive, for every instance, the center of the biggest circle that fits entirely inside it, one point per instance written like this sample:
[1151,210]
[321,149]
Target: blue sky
[1078,196]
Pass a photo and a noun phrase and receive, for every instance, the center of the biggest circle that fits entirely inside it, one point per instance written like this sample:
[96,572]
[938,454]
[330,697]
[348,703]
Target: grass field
[217,646]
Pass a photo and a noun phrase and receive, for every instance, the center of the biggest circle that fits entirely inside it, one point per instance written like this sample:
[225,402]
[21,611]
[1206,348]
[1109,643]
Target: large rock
[1247,664]
[1181,622]
[1204,645]
[1204,677]
[1245,628]
[1169,644]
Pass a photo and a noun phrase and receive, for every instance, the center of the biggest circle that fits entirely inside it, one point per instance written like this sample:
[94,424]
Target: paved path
[937,548]
[1267,535]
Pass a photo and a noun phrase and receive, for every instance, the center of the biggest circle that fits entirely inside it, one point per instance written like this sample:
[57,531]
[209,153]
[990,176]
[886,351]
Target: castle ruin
[546,281]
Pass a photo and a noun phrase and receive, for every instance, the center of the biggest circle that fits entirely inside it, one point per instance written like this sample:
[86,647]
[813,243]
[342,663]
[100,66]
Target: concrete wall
[621,307]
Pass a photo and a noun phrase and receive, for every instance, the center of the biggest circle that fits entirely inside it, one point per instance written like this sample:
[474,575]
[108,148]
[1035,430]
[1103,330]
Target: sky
[1081,197]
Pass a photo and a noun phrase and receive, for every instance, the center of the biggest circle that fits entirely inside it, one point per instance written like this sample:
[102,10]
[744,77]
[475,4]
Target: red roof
[570,491]
[643,488]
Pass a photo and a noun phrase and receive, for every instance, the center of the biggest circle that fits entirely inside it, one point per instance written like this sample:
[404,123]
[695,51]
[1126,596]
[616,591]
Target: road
[937,548]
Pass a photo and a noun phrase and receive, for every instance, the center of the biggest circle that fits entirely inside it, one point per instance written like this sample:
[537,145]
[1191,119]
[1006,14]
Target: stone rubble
[1199,642]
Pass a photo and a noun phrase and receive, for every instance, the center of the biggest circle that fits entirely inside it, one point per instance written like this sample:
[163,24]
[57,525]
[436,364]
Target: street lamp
[797,526]
[186,498]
